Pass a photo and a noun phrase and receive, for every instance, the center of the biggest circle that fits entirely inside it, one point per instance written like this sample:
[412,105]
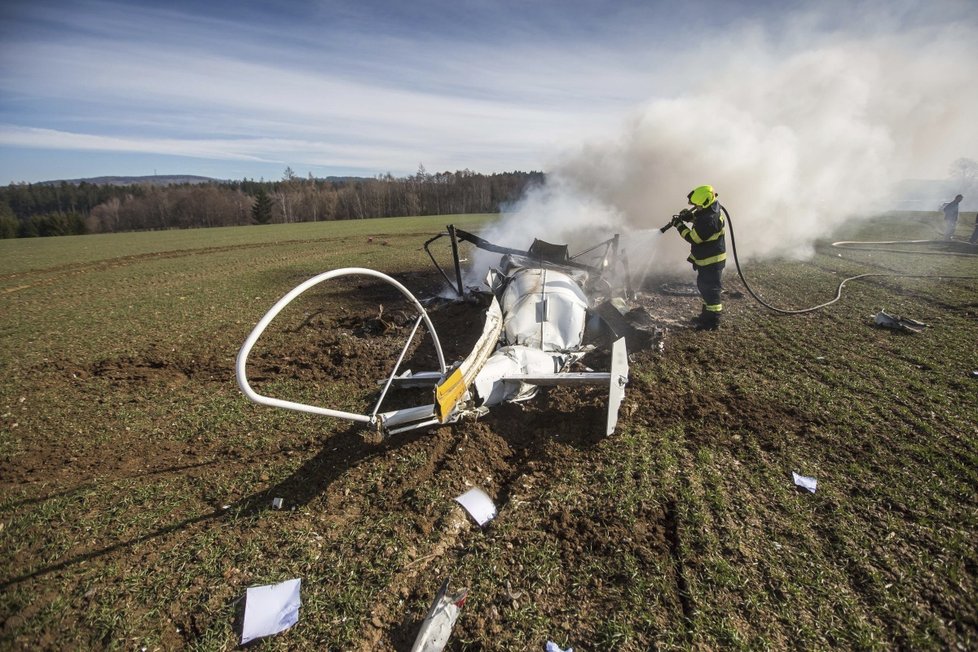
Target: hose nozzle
[685,215]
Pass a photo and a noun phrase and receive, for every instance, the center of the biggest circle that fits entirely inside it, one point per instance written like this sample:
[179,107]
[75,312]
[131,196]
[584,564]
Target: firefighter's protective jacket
[706,236]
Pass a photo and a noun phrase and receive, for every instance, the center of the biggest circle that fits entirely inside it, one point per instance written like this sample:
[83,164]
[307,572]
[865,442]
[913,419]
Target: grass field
[137,480]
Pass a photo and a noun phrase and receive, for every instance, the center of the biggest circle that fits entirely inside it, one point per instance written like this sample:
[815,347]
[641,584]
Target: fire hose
[841,244]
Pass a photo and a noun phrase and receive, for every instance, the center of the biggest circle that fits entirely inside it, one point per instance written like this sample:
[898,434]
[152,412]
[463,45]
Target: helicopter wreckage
[543,305]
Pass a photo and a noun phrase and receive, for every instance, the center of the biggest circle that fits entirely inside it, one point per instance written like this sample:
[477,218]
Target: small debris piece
[804,481]
[270,609]
[478,504]
[437,626]
[974,374]
[885,320]
[553,647]
[277,503]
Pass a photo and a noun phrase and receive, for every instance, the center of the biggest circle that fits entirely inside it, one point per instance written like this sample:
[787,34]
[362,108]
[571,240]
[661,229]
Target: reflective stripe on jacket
[706,236]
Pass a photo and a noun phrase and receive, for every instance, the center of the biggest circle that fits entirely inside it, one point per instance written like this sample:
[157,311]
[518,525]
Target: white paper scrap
[804,481]
[553,647]
[270,609]
[478,504]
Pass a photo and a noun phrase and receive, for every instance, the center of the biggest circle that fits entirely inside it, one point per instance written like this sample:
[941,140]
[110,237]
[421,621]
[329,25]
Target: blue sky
[244,89]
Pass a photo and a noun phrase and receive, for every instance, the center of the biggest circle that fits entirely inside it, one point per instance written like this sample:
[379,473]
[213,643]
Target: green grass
[137,480]
[40,253]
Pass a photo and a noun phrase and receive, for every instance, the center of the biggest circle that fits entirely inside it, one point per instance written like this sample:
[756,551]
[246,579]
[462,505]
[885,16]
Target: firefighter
[951,216]
[708,251]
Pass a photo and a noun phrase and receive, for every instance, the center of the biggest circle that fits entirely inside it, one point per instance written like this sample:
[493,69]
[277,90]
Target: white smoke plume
[795,141]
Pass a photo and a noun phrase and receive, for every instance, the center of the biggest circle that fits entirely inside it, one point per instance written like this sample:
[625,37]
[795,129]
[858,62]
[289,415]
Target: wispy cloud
[54,139]
[374,85]
[117,77]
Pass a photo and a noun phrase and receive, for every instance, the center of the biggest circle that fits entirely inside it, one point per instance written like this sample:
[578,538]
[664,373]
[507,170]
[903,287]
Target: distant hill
[156,180]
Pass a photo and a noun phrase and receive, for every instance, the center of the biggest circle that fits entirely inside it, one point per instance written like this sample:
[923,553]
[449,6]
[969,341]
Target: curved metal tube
[242,360]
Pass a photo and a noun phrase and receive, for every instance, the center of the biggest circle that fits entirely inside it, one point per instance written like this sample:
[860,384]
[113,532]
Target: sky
[245,89]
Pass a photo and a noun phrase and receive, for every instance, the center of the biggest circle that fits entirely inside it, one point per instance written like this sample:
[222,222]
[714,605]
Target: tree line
[67,208]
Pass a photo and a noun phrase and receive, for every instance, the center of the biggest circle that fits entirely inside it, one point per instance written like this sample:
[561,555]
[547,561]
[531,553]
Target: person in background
[708,251]
[951,216]
[974,236]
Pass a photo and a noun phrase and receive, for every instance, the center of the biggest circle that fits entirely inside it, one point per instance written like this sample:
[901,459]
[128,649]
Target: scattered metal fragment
[437,626]
[478,504]
[270,609]
[895,322]
[553,647]
[805,482]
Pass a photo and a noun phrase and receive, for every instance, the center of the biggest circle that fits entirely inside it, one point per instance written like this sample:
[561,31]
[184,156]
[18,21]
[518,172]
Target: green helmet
[702,196]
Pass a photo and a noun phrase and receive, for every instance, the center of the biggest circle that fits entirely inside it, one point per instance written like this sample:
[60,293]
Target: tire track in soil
[671,522]
[383,616]
[503,449]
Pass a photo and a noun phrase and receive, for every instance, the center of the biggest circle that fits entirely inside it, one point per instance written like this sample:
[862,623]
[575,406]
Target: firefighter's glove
[686,215]
[677,221]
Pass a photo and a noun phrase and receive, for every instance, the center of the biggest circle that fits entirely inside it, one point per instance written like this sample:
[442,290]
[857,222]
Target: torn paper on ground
[270,609]
[804,481]
[478,504]
[553,647]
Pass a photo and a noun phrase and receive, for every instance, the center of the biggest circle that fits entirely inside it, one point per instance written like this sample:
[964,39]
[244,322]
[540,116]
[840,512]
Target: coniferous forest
[71,208]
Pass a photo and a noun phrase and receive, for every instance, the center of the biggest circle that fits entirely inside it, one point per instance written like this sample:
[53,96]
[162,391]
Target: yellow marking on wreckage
[450,392]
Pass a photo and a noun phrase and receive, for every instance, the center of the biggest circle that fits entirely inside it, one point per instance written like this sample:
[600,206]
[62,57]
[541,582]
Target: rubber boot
[708,321]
